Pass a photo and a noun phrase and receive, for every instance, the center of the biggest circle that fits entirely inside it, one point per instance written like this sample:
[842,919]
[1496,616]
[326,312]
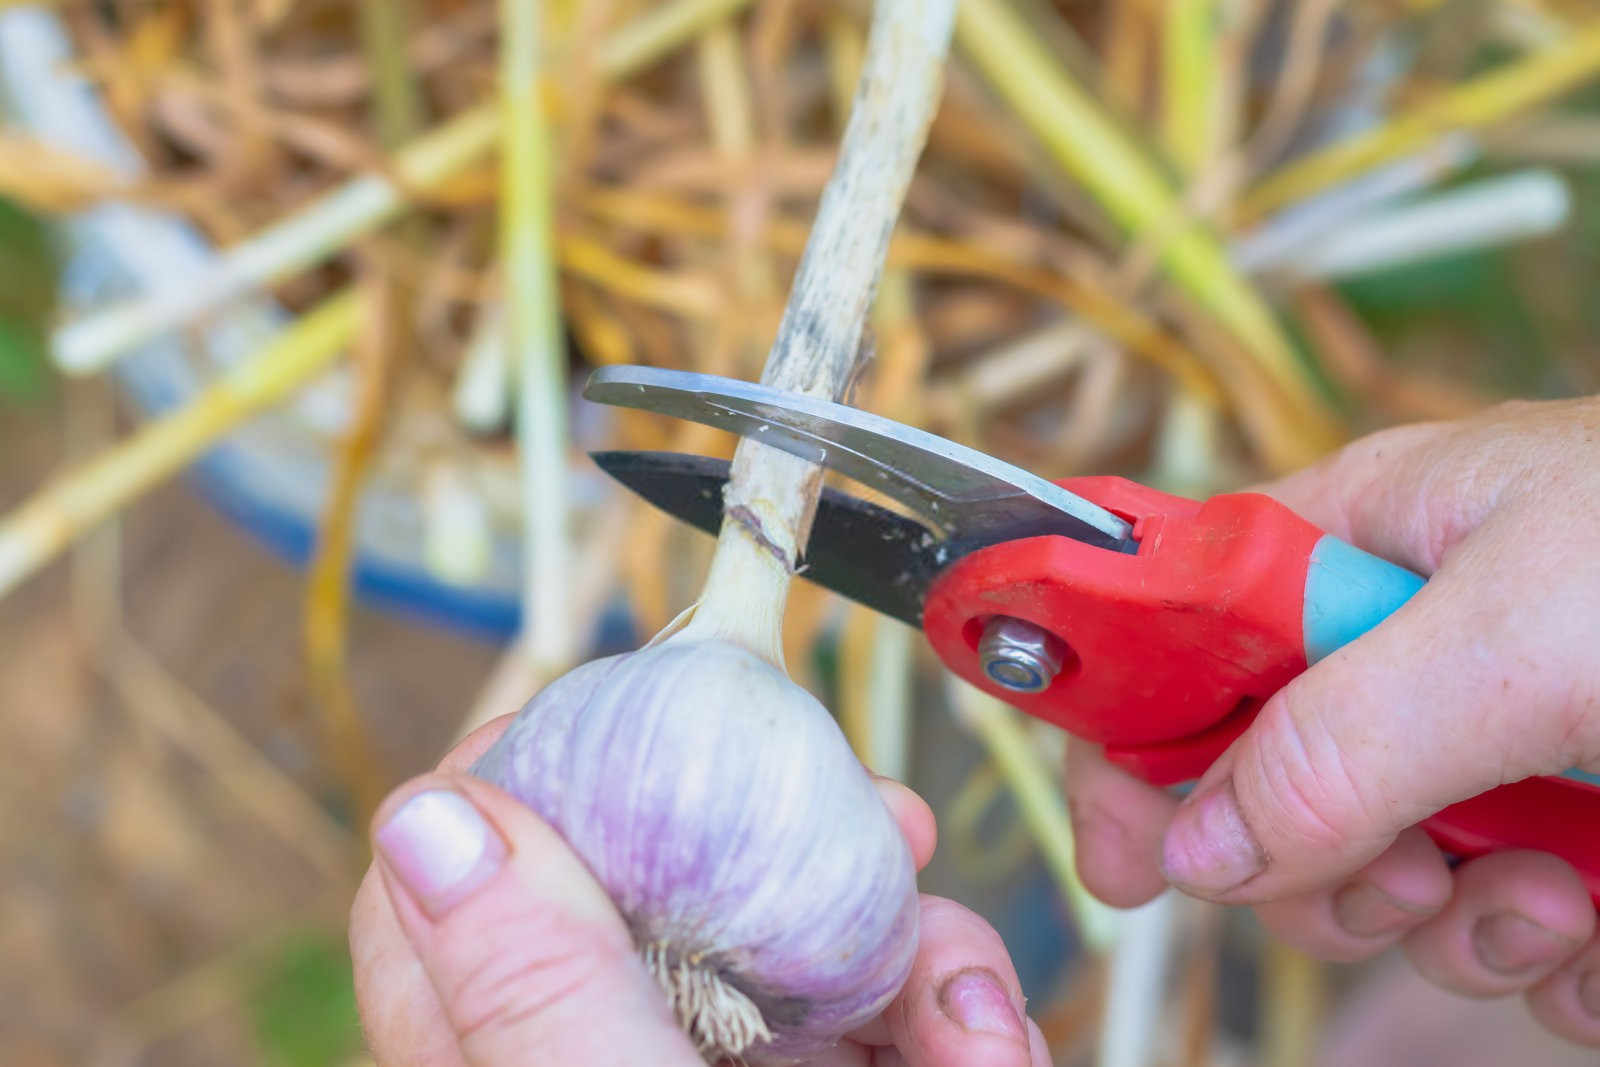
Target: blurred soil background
[150,913]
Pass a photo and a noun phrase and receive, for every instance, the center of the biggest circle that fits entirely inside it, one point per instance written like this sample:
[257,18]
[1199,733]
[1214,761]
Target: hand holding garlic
[732,847]
[758,877]
[480,938]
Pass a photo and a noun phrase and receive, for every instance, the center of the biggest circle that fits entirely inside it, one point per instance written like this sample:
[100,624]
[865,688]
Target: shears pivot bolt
[1019,655]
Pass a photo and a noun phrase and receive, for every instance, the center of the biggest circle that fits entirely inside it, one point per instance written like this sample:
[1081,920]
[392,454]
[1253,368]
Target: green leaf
[22,361]
[1459,282]
[305,1007]
[27,303]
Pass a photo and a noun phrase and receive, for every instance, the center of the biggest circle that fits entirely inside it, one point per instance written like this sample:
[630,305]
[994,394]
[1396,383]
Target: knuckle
[1302,923]
[1575,717]
[1436,965]
[535,969]
[945,921]
[1552,1011]
[1557,1001]
[1541,690]
[1310,795]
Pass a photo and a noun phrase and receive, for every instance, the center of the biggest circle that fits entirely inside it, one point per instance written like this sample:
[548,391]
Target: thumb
[1476,681]
[530,961]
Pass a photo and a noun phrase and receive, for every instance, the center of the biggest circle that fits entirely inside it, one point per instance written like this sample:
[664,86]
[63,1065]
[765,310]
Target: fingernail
[1364,910]
[1589,993]
[1508,943]
[978,1003]
[441,847]
[1210,849]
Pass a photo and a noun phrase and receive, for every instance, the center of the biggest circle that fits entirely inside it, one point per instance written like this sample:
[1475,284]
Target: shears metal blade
[963,499]
[867,553]
[960,492]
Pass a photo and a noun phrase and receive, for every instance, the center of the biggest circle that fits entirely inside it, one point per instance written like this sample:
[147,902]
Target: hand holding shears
[1173,639]
[1155,626]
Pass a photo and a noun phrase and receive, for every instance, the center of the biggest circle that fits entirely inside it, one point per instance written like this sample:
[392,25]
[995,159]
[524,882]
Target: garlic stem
[756,550]
[771,496]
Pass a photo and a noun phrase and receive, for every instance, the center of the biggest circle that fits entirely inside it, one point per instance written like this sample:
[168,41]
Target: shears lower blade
[857,549]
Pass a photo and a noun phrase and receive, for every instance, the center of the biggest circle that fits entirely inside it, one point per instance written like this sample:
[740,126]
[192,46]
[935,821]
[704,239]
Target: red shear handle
[1172,651]
[1556,815]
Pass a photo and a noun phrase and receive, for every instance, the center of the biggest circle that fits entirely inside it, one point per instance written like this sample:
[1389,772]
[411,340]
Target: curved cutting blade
[964,494]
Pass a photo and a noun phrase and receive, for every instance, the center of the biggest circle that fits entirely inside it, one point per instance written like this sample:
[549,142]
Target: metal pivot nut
[1019,655]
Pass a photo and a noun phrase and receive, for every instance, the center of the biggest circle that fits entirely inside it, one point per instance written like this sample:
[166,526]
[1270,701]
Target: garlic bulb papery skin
[724,813]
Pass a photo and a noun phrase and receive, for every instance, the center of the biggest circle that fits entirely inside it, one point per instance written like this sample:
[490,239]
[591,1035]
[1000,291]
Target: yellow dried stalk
[333,220]
[926,253]
[74,502]
[1133,191]
[1191,81]
[348,748]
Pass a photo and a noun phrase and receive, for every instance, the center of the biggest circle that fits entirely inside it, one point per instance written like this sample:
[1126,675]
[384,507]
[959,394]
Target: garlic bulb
[765,882]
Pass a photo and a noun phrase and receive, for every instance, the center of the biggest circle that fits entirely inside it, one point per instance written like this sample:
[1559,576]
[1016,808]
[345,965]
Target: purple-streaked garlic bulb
[766,884]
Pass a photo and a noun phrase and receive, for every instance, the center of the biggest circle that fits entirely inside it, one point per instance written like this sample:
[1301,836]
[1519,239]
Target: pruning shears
[1153,625]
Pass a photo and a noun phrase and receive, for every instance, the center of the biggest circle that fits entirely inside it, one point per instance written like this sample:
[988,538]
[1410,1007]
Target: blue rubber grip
[1348,592]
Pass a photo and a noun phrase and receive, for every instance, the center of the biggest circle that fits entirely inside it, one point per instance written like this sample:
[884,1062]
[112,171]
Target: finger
[1476,671]
[848,1054]
[1038,1049]
[1412,493]
[962,1005]
[1514,918]
[914,816]
[1117,827]
[401,1017]
[525,953]
[1380,492]
[475,744]
[1568,1002]
[400,1010]
[1401,889]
